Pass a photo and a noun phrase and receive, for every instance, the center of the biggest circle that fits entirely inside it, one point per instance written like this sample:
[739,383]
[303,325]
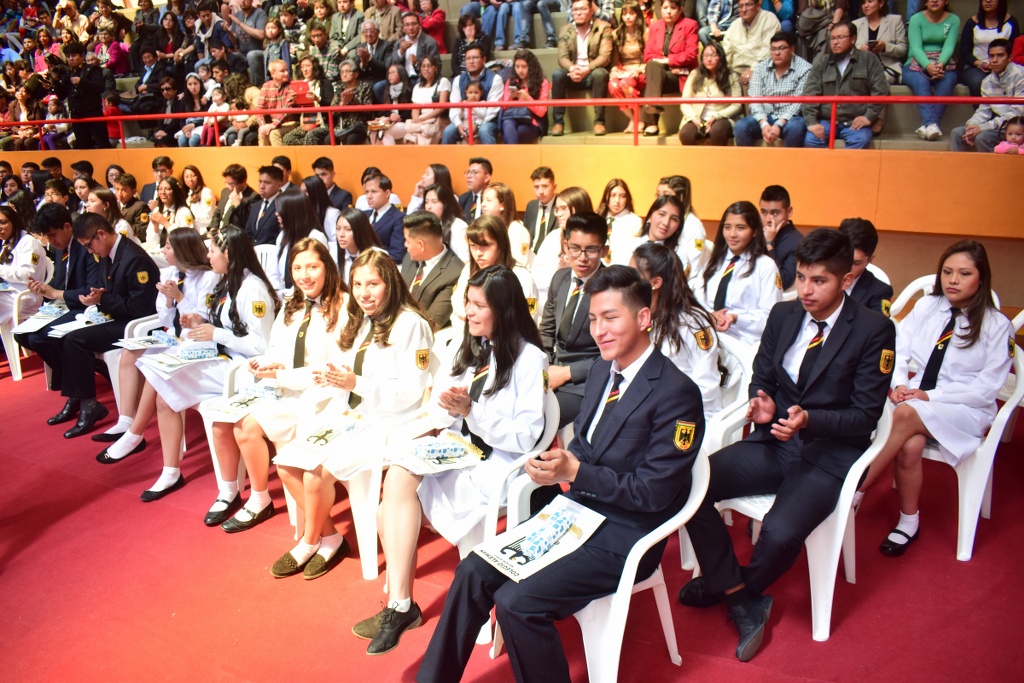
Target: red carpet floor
[95,585]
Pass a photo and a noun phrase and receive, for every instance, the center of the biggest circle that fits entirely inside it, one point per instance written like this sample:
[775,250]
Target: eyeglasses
[592,252]
[166,88]
[471,172]
[780,50]
[838,39]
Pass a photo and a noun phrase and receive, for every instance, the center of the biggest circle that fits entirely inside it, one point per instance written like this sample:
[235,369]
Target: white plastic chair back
[879,273]
[923,286]
[267,255]
[11,348]
[974,473]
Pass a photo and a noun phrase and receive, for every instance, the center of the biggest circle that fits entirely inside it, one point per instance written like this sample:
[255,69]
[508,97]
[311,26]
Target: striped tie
[723,285]
[353,399]
[931,370]
[811,354]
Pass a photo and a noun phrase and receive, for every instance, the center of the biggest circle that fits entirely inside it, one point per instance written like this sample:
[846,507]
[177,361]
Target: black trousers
[660,81]
[805,495]
[72,357]
[90,135]
[569,404]
[526,612]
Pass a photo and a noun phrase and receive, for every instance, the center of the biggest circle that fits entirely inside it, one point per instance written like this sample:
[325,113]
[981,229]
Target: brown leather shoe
[599,129]
[557,129]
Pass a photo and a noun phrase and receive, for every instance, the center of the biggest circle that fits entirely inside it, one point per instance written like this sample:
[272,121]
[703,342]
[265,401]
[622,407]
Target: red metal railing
[635,104]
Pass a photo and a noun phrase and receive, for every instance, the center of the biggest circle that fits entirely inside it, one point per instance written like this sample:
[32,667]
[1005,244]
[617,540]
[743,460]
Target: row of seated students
[357,339]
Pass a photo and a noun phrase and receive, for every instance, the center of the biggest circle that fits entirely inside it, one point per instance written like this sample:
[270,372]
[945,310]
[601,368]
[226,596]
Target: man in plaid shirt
[783,73]
[328,54]
[277,94]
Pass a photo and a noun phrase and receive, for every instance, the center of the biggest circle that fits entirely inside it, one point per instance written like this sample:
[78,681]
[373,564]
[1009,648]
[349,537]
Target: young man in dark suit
[75,272]
[540,212]
[262,223]
[821,377]
[867,290]
[127,291]
[163,167]
[236,199]
[323,168]
[478,177]
[385,218]
[637,435]
[133,209]
[430,269]
[779,232]
[564,326]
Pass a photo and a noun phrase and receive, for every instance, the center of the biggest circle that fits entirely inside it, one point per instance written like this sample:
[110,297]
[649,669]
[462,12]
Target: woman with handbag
[432,88]
[527,123]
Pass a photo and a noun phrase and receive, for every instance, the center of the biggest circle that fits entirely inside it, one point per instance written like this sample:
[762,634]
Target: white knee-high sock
[909,525]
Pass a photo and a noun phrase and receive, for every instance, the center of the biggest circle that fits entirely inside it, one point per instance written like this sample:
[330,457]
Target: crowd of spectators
[93,58]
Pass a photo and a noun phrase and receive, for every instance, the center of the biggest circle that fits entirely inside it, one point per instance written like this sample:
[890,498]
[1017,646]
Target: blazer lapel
[560,293]
[788,335]
[580,318]
[436,271]
[833,342]
[636,393]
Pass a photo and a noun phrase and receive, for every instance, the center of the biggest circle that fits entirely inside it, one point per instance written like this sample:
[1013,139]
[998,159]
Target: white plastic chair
[233,381]
[11,347]
[974,473]
[1009,385]
[267,255]
[922,286]
[836,533]
[879,273]
[603,621]
[112,358]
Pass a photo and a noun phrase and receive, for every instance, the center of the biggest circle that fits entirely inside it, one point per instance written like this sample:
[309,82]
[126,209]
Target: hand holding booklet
[561,528]
[432,454]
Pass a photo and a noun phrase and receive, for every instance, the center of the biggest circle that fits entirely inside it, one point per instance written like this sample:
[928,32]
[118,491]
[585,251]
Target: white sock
[908,524]
[401,605]
[124,445]
[258,501]
[226,492]
[329,545]
[303,551]
[167,479]
[121,426]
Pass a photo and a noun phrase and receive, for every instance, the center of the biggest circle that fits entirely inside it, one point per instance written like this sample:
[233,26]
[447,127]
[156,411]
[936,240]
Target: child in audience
[300,343]
[741,283]
[111,108]
[55,135]
[491,388]
[474,92]
[962,346]
[866,289]
[1014,141]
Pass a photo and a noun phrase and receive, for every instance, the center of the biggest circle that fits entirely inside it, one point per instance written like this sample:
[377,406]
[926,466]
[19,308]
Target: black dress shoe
[104,437]
[149,496]
[67,413]
[87,420]
[696,594]
[318,566]
[893,549]
[392,625]
[218,517]
[750,618]
[367,628]
[107,460]
[234,525]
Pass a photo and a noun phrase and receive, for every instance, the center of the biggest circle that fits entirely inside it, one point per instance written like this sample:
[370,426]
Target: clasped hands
[902,393]
[761,410]
[553,467]
[264,370]
[332,376]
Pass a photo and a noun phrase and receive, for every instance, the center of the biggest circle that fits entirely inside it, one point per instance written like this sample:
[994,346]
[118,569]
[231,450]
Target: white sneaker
[934,132]
[922,132]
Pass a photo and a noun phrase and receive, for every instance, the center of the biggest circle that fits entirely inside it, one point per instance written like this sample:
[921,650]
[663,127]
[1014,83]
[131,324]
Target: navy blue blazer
[389,229]
[846,391]
[872,293]
[637,471]
[130,283]
[262,231]
[75,277]
[339,198]
[148,192]
[580,350]
[784,253]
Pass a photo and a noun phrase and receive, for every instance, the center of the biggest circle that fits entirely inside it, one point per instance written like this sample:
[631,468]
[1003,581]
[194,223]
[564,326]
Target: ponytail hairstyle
[241,254]
[982,301]
[398,300]
[333,291]
[676,303]
[513,325]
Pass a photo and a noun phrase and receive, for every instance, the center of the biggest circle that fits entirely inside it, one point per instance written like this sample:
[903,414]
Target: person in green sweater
[930,69]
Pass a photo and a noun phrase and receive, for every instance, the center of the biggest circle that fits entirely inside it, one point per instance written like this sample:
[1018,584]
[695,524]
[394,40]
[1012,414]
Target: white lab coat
[459,295]
[28,261]
[750,296]
[700,365]
[197,288]
[279,265]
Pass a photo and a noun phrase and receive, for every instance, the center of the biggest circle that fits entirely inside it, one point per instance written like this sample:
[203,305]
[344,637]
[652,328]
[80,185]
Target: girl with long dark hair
[171,212]
[323,210]
[298,220]
[353,235]
[498,200]
[527,123]
[551,256]
[441,201]
[624,226]
[435,174]
[714,78]
[21,257]
[198,197]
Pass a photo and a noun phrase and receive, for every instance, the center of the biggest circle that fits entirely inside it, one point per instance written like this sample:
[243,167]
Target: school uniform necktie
[263,210]
[60,280]
[542,229]
[373,218]
[811,354]
[476,388]
[177,313]
[299,357]
[570,310]
[353,399]
[475,206]
[723,285]
[931,370]
[612,398]
[418,280]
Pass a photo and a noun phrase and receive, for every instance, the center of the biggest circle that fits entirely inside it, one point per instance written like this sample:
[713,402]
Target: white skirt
[189,386]
[456,501]
[29,305]
[959,429]
[281,420]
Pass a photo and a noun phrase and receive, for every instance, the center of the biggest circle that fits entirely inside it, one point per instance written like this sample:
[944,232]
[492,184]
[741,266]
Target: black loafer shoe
[218,517]
[392,625]
[105,459]
[750,618]
[893,549]
[67,413]
[318,566]
[87,419]
[104,437]
[368,628]
[148,496]
[696,594]
[234,525]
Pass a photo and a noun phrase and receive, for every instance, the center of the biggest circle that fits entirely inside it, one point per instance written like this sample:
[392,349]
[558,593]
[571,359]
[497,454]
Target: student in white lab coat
[22,256]
[380,369]
[185,287]
[298,220]
[741,283]
[198,198]
[624,226]
[240,314]
[489,246]
[962,361]
[690,241]
[302,339]
[352,236]
[441,201]
[683,330]
[551,256]
[491,388]
[498,200]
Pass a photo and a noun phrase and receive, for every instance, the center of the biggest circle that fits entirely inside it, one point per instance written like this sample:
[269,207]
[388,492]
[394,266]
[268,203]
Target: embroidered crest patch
[143,217]
[525,248]
[531,303]
[1012,347]
[778,281]
[703,337]
[886,305]
[685,431]
[143,277]
[423,359]
[698,244]
[259,309]
[886,362]
[35,259]
[544,374]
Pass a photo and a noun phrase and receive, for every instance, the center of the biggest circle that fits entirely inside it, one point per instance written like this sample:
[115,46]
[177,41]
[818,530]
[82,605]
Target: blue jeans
[522,14]
[854,139]
[924,86]
[747,131]
[519,132]
[487,16]
[485,131]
